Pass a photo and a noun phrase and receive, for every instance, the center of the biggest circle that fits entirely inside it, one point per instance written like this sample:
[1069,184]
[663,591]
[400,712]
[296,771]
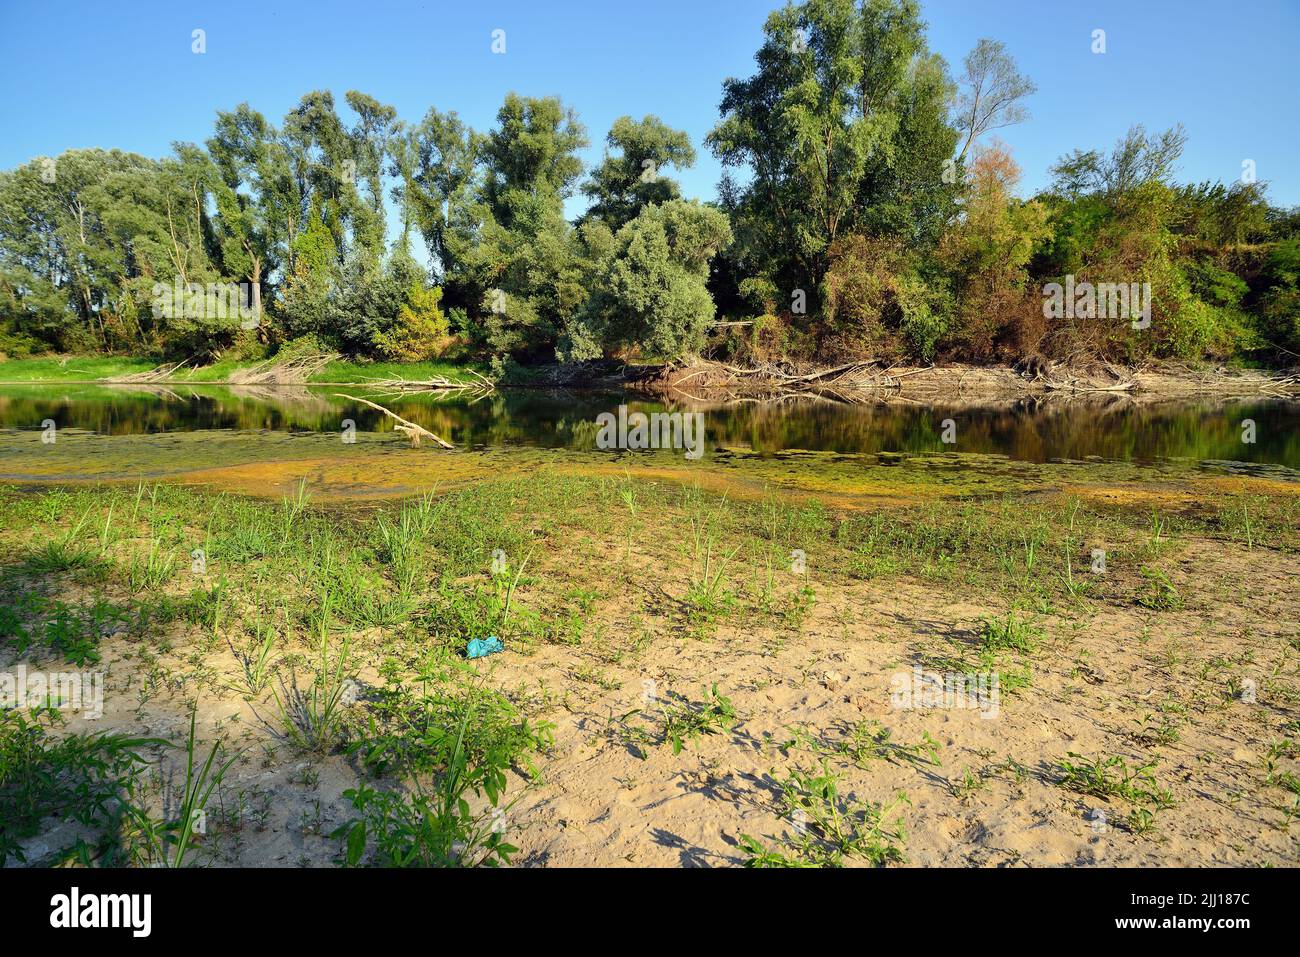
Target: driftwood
[410,429]
[294,371]
[1081,386]
[775,372]
[847,382]
[157,374]
[479,385]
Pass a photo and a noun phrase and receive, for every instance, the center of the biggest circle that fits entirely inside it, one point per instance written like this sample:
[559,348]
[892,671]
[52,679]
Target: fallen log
[410,429]
[479,384]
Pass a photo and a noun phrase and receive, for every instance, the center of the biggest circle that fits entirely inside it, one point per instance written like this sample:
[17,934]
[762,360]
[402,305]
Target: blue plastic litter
[482,647]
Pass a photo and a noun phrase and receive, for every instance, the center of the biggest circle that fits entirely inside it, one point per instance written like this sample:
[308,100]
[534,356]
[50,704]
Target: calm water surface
[1036,431]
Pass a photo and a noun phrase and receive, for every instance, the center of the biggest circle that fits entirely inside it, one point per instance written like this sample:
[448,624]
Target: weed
[1113,777]
[170,842]
[1159,593]
[829,827]
[408,724]
[1009,632]
[1156,729]
[154,571]
[90,779]
[689,723]
[867,741]
[255,662]
[312,719]
[64,553]
[435,826]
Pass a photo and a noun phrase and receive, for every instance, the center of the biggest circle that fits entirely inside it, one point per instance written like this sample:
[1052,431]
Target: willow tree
[827,105]
[631,176]
[527,264]
[256,209]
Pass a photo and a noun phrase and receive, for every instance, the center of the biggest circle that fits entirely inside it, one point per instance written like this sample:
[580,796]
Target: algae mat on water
[379,465]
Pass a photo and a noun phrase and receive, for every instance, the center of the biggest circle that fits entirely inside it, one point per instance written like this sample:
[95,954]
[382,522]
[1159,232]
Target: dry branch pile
[846,382]
[870,380]
[295,371]
[157,374]
[478,386]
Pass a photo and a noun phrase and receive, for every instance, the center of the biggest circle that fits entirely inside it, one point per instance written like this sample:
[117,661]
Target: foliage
[626,183]
[453,742]
[85,778]
[829,827]
[420,331]
[862,207]
[653,283]
[821,128]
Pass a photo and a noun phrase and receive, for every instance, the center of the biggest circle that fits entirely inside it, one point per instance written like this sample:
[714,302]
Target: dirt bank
[872,381]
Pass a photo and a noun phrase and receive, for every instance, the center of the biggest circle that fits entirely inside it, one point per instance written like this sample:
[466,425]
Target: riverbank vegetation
[96,368]
[868,211]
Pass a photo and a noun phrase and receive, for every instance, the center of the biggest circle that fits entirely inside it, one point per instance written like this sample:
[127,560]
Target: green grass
[91,368]
[296,584]
[1009,632]
[1113,777]
[90,779]
[829,827]
[70,368]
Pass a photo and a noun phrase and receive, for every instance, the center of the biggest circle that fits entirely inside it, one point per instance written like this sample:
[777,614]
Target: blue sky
[82,74]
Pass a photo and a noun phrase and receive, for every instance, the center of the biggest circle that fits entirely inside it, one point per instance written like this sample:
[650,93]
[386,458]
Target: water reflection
[1030,430]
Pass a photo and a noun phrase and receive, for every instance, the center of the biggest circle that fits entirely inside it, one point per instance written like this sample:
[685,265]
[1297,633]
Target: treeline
[866,210]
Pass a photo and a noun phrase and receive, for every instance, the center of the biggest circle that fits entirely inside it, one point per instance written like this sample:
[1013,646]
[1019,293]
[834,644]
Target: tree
[307,288]
[518,261]
[633,178]
[1223,215]
[992,92]
[376,125]
[252,197]
[652,287]
[826,105]
[989,252]
[1136,160]
[1280,302]
[323,165]
[437,166]
[913,191]
[531,161]
[420,332]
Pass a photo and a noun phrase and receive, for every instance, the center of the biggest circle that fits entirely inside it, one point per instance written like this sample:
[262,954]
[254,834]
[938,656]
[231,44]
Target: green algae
[383,465]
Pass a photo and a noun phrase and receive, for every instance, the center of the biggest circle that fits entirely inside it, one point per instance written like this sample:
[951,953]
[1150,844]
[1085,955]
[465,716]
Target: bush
[420,332]
[1280,302]
[879,304]
[652,290]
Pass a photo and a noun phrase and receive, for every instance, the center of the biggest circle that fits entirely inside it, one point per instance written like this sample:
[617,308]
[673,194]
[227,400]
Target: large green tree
[650,288]
[821,131]
[524,268]
[631,176]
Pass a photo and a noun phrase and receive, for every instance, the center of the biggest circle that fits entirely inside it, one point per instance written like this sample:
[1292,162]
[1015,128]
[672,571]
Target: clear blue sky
[82,74]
